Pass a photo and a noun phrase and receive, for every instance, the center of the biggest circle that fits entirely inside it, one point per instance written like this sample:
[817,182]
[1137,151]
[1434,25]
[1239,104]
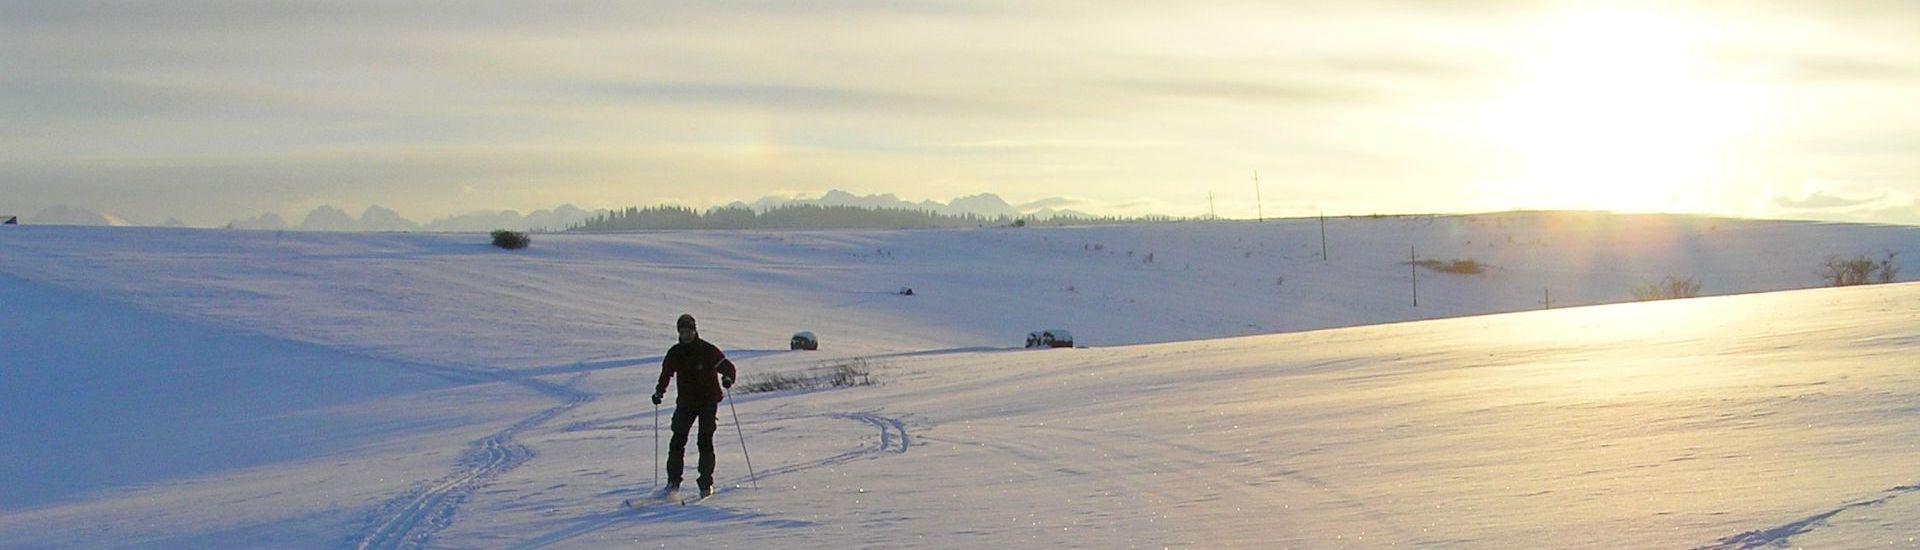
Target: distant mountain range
[61,214]
[379,218]
[986,205]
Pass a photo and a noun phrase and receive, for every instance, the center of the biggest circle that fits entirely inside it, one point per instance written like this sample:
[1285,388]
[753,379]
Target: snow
[102,401]
[192,388]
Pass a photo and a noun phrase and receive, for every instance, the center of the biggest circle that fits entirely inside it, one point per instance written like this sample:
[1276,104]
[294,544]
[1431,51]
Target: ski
[658,499]
[697,498]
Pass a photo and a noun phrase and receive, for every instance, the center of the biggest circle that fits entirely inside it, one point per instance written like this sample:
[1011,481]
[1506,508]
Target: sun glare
[1616,109]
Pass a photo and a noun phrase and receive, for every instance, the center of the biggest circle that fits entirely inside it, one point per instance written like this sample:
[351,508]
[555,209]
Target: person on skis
[703,371]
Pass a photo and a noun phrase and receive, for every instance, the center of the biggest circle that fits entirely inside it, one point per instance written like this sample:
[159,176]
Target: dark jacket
[700,367]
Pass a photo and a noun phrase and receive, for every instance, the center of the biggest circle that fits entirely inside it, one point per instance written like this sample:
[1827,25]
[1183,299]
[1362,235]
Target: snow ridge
[1780,535]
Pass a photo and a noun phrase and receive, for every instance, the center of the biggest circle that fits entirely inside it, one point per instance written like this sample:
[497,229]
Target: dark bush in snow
[1052,338]
[1468,266]
[1668,289]
[1859,271]
[511,240]
[851,373]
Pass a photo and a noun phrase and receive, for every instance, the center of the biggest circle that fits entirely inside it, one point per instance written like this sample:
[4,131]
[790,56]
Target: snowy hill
[454,300]
[376,390]
[1733,422]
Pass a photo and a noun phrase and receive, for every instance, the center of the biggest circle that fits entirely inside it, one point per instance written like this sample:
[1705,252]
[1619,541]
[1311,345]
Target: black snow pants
[683,417]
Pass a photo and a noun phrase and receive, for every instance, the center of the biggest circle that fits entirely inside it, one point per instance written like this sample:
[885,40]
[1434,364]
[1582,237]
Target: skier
[697,363]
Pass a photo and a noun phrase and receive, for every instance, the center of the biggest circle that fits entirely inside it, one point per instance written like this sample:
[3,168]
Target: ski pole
[743,440]
[656,444]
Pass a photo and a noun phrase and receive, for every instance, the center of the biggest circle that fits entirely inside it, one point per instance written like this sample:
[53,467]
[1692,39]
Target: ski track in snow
[1782,534]
[894,440]
[888,427]
[410,520]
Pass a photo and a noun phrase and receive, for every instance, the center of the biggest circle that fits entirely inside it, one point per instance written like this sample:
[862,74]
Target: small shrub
[851,373]
[1463,267]
[511,240]
[1859,271]
[773,381]
[1668,289]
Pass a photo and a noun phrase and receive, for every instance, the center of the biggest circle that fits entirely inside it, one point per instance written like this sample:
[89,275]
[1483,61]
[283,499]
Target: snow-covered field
[198,388]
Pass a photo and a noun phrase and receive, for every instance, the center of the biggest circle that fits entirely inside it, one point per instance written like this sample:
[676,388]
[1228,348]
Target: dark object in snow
[904,291]
[511,240]
[9,220]
[1053,338]
[804,341]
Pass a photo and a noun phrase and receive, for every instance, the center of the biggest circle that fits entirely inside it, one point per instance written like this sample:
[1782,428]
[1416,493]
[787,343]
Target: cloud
[1900,214]
[211,109]
[1819,200]
[1396,65]
[1248,90]
[770,96]
[1854,69]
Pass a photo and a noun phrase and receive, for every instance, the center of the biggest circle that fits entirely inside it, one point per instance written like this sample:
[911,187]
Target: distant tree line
[808,216]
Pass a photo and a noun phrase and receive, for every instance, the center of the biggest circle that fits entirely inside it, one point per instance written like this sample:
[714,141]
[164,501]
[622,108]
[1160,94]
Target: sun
[1615,109]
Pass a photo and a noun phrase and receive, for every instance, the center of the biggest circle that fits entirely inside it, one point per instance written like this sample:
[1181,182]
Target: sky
[207,111]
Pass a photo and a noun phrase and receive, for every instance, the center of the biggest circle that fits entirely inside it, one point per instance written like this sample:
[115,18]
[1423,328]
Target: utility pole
[1210,214]
[1548,298]
[1413,267]
[1323,235]
[1258,208]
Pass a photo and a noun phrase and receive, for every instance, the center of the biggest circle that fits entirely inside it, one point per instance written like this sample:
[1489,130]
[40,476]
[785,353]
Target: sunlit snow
[195,388]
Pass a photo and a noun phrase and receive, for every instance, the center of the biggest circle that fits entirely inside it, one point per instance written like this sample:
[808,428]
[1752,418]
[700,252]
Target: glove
[726,381]
[657,397]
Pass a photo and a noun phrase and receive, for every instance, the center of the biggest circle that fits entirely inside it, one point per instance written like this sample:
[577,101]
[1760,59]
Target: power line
[1323,235]
[1258,208]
